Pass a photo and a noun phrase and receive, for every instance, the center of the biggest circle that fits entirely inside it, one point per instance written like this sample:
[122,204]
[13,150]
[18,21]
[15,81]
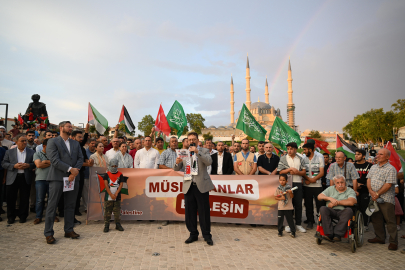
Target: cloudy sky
[347,57]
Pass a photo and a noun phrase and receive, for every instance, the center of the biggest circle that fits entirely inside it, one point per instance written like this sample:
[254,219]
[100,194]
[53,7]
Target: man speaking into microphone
[196,186]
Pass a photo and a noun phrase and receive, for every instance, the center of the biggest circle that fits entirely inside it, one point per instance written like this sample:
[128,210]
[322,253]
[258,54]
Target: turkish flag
[319,144]
[20,120]
[161,123]
[394,158]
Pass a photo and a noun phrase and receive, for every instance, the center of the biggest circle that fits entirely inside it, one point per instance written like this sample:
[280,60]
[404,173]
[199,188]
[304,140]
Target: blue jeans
[42,187]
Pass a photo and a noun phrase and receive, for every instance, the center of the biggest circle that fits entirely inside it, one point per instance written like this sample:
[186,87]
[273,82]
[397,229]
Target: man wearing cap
[381,182]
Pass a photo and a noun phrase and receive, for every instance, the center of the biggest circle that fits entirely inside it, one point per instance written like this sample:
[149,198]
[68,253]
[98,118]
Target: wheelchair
[354,232]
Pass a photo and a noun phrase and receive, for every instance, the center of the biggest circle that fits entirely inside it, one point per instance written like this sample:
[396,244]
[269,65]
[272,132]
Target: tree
[173,131]
[92,128]
[196,122]
[107,132]
[146,124]
[208,136]
[399,105]
[314,134]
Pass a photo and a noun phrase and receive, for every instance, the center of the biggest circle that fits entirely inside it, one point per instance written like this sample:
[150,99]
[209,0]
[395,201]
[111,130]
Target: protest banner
[157,195]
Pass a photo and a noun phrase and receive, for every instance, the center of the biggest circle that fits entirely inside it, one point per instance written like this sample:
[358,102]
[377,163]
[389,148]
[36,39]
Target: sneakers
[301,229]
[287,229]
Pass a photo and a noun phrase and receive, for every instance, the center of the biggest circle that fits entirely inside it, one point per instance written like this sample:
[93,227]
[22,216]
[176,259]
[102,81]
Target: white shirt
[295,163]
[110,154]
[146,159]
[220,162]
[209,168]
[21,157]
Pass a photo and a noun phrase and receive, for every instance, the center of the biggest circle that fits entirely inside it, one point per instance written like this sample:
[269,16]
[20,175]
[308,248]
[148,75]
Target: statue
[35,109]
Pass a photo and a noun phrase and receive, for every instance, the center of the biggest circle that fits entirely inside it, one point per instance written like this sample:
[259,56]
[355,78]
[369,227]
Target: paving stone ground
[23,246]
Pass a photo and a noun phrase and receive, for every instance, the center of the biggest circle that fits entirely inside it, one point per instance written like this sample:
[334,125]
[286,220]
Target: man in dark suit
[66,160]
[20,173]
[196,186]
[222,162]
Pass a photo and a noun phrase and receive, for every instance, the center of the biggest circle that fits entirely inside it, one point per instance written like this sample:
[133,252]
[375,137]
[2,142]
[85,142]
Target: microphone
[192,152]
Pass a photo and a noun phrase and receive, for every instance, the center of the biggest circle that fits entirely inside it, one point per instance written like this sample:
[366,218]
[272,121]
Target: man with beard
[66,160]
[245,162]
[314,167]
[30,134]
[268,163]
[222,163]
[360,185]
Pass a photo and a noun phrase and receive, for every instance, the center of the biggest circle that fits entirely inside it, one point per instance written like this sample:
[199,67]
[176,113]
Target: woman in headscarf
[100,160]
[124,159]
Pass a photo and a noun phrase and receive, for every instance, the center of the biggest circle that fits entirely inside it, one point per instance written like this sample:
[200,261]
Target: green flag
[176,118]
[248,124]
[282,134]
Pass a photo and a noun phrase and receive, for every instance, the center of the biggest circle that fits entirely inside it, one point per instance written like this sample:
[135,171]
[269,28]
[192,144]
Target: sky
[347,57]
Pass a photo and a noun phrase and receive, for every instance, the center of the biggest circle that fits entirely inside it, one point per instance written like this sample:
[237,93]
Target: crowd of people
[32,160]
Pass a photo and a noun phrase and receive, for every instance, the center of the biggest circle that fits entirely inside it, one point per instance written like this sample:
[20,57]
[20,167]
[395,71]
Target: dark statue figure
[38,109]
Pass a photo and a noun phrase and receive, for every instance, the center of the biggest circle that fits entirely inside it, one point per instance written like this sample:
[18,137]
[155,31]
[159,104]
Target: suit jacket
[227,163]
[61,159]
[10,159]
[203,179]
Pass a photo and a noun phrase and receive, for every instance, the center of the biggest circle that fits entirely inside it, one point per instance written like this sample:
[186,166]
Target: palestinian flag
[346,148]
[45,119]
[96,119]
[126,120]
[112,179]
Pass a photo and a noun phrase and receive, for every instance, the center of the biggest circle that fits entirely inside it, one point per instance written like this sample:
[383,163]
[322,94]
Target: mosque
[263,112]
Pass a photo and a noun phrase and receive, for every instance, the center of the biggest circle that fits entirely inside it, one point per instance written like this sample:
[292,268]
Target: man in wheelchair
[339,199]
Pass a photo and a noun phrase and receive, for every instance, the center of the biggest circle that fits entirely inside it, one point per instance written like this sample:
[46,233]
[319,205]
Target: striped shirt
[168,158]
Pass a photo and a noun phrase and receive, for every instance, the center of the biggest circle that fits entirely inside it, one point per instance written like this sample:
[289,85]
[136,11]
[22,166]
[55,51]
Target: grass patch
[401,153]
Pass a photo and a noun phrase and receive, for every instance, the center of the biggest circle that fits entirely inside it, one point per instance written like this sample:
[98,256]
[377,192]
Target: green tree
[315,135]
[146,124]
[399,111]
[107,132]
[208,136]
[399,105]
[173,131]
[196,122]
[92,129]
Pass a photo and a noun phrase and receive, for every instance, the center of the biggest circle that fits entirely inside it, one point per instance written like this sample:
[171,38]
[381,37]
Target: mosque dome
[260,105]
[221,127]
[211,127]
[229,127]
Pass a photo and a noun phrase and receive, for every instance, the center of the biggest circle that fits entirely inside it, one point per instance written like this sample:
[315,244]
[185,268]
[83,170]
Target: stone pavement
[23,246]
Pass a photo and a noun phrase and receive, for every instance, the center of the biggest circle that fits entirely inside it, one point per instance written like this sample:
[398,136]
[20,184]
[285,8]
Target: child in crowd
[284,197]
[113,186]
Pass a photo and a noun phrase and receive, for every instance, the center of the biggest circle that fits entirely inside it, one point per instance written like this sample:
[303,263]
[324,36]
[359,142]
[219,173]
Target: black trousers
[297,202]
[327,214]
[61,204]
[288,214]
[197,201]
[19,185]
[362,201]
[79,195]
[309,194]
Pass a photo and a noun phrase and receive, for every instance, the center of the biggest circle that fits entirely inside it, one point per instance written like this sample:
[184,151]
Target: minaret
[247,84]
[232,103]
[266,93]
[290,105]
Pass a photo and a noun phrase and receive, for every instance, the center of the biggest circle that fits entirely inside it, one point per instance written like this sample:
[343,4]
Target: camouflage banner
[157,195]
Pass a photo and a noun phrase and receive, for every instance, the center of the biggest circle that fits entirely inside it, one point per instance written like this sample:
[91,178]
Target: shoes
[106,227]
[10,220]
[32,210]
[165,223]
[280,234]
[403,251]
[292,234]
[61,214]
[337,238]
[76,222]
[287,229]
[56,219]
[72,235]
[392,246]
[209,242]
[310,226]
[328,237]
[398,227]
[301,229]
[23,220]
[119,227]
[77,213]
[50,239]
[191,239]
[376,240]
[37,221]
[306,221]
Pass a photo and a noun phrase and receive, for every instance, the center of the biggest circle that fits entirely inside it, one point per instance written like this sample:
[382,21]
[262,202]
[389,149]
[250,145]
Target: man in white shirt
[147,157]
[110,154]
[294,165]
